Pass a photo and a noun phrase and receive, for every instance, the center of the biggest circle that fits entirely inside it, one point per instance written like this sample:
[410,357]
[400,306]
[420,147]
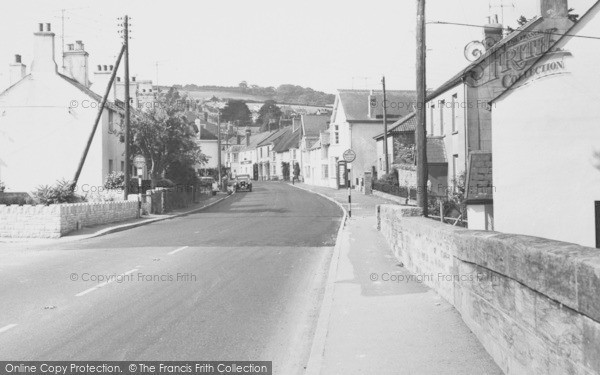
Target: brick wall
[532,302]
[57,220]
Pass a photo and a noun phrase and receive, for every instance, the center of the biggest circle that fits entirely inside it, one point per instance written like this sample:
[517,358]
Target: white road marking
[104,283]
[6,328]
[178,250]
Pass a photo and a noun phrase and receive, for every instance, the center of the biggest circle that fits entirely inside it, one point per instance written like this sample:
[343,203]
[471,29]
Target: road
[241,280]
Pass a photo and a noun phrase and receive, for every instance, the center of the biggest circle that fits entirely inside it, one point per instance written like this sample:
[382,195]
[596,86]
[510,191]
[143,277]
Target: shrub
[61,192]
[115,180]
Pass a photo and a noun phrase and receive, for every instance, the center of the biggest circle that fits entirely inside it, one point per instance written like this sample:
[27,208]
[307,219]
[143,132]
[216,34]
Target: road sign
[349,155]
[139,161]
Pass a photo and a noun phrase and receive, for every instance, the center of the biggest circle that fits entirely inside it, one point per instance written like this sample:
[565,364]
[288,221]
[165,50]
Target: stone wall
[59,219]
[533,303]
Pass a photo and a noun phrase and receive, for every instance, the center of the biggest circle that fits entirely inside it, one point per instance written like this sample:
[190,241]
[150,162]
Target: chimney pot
[111,68]
[41,26]
[118,79]
[48,28]
[105,68]
[99,68]
[133,79]
[18,59]
[554,8]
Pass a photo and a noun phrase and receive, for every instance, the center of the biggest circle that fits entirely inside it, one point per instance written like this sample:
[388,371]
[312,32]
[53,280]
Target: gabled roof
[479,187]
[356,104]
[405,124]
[273,136]
[289,140]
[312,125]
[91,93]
[255,139]
[458,78]
[436,150]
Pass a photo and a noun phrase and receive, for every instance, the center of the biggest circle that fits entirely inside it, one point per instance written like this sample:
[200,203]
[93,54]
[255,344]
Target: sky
[322,44]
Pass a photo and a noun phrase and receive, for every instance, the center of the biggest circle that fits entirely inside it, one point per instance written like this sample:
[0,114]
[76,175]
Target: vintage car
[209,184]
[243,182]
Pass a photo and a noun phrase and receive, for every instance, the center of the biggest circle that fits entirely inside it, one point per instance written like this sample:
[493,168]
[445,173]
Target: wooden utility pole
[98,117]
[127,104]
[219,146]
[385,129]
[420,133]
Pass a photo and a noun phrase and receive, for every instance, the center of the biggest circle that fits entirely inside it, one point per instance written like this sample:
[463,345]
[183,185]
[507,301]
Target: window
[261,152]
[111,121]
[432,125]
[442,106]
[307,171]
[294,154]
[337,134]
[235,157]
[122,166]
[454,100]
[274,154]
[110,165]
[274,169]
[324,171]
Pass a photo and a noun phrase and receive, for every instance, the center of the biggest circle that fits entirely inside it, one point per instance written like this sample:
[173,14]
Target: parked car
[210,184]
[243,182]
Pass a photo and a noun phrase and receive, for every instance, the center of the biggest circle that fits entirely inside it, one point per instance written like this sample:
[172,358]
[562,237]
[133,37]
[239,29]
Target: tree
[166,139]
[237,110]
[268,114]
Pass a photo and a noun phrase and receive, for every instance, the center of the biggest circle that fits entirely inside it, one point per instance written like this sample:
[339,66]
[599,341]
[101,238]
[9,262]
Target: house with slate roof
[286,150]
[546,142]
[357,117]
[459,110]
[314,151]
[244,158]
[46,118]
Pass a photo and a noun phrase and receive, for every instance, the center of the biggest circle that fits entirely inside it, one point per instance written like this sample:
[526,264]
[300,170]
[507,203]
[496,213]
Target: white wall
[41,139]
[455,139]
[545,135]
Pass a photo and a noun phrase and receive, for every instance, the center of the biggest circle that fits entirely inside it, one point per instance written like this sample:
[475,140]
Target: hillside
[288,94]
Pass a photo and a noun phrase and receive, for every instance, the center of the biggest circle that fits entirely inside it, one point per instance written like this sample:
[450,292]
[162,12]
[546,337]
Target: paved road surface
[242,280]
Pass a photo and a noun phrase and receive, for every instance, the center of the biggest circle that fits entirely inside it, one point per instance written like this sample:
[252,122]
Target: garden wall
[56,220]
[532,302]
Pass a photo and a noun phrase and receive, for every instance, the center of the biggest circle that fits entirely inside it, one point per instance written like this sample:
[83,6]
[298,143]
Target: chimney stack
[492,32]
[43,51]
[75,61]
[554,8]
[372,103]
[247,136]
[101,78]
[17,70]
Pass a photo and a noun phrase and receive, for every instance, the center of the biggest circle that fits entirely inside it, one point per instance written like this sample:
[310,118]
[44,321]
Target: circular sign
[349,155]
[139,161]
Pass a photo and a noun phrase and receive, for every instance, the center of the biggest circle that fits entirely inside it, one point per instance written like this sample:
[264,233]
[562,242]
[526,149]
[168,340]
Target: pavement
[371,325]
[240,280]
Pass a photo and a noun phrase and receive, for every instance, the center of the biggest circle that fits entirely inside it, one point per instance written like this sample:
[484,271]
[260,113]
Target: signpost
[349,156]
[139,161]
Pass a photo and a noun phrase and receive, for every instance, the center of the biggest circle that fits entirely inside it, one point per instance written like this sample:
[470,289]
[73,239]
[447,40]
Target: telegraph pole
[420,133]
[127,104]
[385,129]
[219,146]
